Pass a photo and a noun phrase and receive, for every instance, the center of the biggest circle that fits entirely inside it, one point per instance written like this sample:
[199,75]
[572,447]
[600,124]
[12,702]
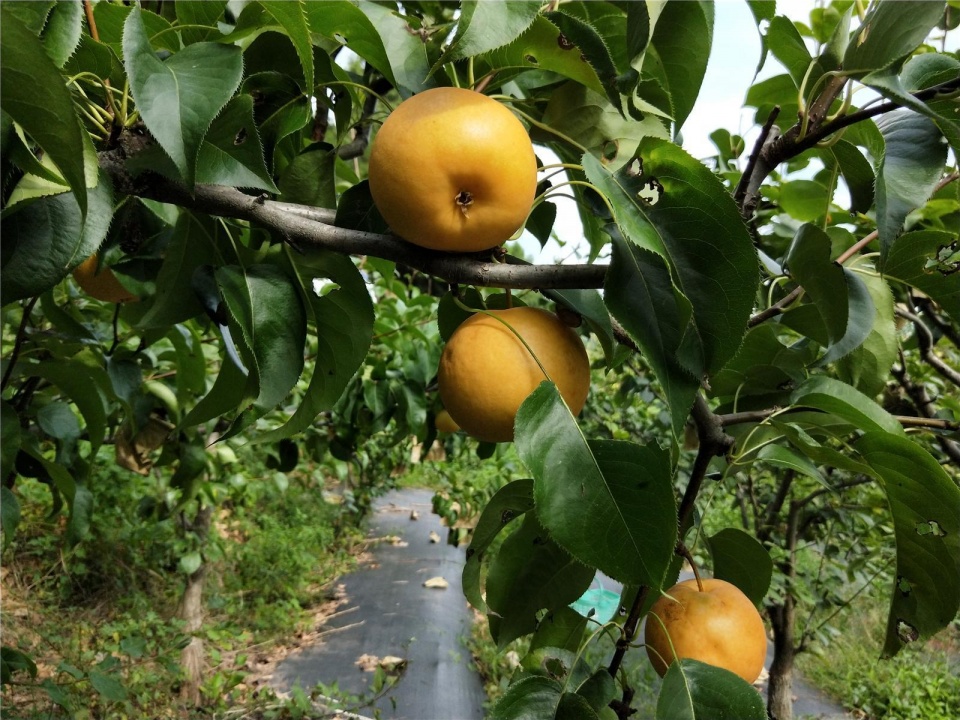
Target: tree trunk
[191,612]
[780,688]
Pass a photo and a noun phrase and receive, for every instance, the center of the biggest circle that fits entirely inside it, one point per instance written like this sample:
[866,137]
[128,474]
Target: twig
[713,442]
[95,34]
[18,343]
[756,416]
[741,190]
[926,343]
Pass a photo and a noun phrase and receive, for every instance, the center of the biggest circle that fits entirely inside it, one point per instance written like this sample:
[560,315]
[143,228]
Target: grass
[99,620]
[921,683]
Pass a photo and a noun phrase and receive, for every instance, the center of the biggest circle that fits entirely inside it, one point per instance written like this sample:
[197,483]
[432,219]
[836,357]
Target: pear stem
[683,551]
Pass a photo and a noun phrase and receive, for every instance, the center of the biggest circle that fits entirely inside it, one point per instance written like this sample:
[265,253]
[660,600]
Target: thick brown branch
[300,227]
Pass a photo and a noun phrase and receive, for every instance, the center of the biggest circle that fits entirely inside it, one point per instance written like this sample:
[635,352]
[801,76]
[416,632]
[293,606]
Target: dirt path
[389,613]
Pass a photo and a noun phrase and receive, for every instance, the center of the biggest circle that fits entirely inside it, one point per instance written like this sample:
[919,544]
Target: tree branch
[18,342]
[926,343]
[924,405]
[298,225]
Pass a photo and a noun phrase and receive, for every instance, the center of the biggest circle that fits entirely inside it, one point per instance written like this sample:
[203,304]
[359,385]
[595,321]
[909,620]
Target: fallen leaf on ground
[434,537]
[436,582]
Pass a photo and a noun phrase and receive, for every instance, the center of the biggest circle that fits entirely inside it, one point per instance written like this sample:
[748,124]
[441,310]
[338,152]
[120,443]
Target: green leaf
[598,690]
[589,304]
[836,397]
[531,698]
[783,457]
[909,172]
[840,296]
[925,504]
[9,513]
[34,94]
[636,281]
[787,46]
[198,19]
[490,24]
[80,383]
[179,98]
[13,661]
[507,504]
[267,307]
[819,453]
[856,171]
[196,241]
[804,200]
[891,30]
[191,363]
[62,33]
[228,392]
[108,686]
[609,504]
[231,153]
[693,222]
[915,260]
[111,19]
[764,366]
[530,573]
[57,420]
[867,368]
[692,690]
[345,23]
[46,239]
[9,439]
[344,326]
[589,118]
[191,466]
[293,19]
[32,14]
[682,39]
[563,628]
[740,559]
[281,109]
[593,49]
[921,72]
[541,220]
[406,52]
[309,178]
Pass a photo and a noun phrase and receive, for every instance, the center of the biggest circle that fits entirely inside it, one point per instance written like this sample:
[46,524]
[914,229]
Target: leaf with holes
[179,98]
[673,205]
[927,260]
[925,504]
[541,47]
[610,504]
